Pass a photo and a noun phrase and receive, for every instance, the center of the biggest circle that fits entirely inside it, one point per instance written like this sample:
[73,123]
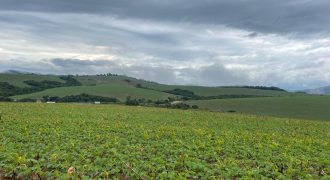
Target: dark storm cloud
[296,17]
[252,35]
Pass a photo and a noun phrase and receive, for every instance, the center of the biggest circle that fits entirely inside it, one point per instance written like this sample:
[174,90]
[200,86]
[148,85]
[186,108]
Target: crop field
[113,141]
[302,107]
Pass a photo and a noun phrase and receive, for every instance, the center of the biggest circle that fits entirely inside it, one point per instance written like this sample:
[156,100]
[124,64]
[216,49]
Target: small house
[97,102]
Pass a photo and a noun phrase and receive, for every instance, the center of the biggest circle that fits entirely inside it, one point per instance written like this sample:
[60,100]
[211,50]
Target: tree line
[257,87]
[83,98]
[189,95]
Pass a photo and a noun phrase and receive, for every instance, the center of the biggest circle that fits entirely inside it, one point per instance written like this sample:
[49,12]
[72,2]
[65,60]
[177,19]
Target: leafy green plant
[112,141]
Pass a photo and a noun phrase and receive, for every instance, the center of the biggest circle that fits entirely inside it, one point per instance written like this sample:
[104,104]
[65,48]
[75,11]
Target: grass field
[18,79]
[120,91]
[305,107]
[198,90]
[214,91]
[112,141]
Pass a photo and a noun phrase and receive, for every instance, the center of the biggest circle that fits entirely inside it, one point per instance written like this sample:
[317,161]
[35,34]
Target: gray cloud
[211,42]
[297,17]
[214,74]
[252,35]
[211,75]
[208,75]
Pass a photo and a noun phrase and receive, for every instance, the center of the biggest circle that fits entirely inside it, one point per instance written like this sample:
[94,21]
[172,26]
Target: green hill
[18,79]
[256,100]
[120,91]
[198,90]
[304,107]
[214,91]
[122,86]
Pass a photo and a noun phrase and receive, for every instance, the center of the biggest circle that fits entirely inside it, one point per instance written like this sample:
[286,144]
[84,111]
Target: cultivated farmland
[113,141]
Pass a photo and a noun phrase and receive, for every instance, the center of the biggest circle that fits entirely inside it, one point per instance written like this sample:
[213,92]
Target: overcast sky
[283,43]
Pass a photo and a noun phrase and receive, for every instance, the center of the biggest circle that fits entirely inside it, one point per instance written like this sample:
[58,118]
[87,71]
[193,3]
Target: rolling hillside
[198,90]
[255,101]
[304,107]
[18,79]
[120,91]
[321,90]
[214,91]
[123,86]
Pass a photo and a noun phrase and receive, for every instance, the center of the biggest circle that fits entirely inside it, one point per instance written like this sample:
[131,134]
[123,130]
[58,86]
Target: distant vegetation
[5,99]
[84,98]
[42,85]
[7,89]
[168,103]
[257,87]
[114,88]
[70,81]
[87,98]
[25,100]
[189,95]
[182,92]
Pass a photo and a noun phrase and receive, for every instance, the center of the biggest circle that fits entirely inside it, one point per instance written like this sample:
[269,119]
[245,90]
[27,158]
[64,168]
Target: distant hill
[321,90]
[27,85]
[117,90]
[273,101]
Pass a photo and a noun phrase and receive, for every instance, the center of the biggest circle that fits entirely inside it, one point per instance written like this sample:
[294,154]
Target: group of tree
[83,98]
[189,95]
[107,74]
[257,87]
[139,85]
[184,94]
[45,84]
[70,81]
[167,103]
[86,98]
[139,101]
[5,99]
[227,96]
[7,90]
